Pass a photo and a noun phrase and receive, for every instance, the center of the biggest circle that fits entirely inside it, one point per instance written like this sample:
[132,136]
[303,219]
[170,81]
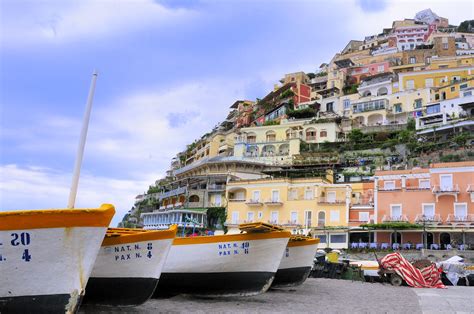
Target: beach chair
[396,246]
[373,245]
[406,246]
[419,246]
[434,246]
[353,245]
[384,246]
[449,247]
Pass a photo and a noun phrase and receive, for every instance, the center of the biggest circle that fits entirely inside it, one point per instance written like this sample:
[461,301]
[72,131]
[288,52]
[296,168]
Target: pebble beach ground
[318,296]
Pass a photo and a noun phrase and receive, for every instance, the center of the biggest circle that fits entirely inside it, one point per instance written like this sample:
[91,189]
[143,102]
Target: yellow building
[451,62]
[215,144]
[433,78]
[300,205]
[451,91]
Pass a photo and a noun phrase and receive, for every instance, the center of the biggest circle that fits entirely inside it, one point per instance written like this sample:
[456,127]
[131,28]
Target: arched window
[194,198]
[310,134]
[367,93]
[323,133]
[382,91]
[396,237]
[271,136]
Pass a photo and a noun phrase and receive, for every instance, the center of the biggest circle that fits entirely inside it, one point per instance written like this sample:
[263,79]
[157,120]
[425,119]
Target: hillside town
[374,146]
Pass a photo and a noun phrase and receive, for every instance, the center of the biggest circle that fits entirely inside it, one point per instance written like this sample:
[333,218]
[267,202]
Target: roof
[377,78]
[453,164]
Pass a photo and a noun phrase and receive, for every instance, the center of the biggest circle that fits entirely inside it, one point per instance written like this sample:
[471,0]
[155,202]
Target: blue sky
[168,71]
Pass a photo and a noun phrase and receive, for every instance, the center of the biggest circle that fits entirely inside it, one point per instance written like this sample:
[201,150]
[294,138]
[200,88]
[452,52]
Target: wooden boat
[297,262]
[128,266]
[46,257]
[224,265]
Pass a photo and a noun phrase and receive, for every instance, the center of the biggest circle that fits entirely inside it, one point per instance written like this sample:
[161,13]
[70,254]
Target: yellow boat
[46,257]
[297,262]
[224,265]
[128,266]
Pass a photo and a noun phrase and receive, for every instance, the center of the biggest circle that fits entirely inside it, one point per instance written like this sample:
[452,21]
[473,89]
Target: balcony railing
[237,200]
[326,201]
[469,218]
[252,202]
[273,222]
[400,218]
[470,188]
[273,202]
[292,223]
[216,187]
[445,189]
[418,188]
[420,218]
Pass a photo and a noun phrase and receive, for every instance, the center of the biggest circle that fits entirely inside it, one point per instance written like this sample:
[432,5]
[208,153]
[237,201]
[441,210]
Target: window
[274,218]
[412,60]
[322,238]
[308,215]
[321,219]
[275,196]
[469,93]
[389,185]
[460,210]
[428,60]
[218,200]
[429,82]
[308,194]
[338,238]
[347,104]
[235,217]
[428,210]
[380,68]
[364,216]
[463,86]
[260,215]
[256,196]
[294,217]
[334,215]
[397,108]
[331,197]
[323,133]
[433,109]
[396,212]
[330,106]
[250,216]
[445,46]
[424,183]
[410,84]
[446,182]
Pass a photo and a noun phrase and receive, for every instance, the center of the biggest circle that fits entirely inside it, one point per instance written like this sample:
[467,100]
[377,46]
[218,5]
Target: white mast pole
[82,143]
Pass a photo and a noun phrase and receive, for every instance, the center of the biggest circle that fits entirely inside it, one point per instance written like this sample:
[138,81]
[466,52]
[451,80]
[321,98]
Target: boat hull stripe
[38,304]
[119,291]
[290,277]
[214,284]
[56,218]
[140,236]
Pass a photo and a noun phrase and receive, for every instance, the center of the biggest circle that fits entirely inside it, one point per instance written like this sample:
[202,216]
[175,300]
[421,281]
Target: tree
[356,136]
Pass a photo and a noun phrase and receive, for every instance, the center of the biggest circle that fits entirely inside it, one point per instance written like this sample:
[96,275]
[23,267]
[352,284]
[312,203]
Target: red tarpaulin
[428,277]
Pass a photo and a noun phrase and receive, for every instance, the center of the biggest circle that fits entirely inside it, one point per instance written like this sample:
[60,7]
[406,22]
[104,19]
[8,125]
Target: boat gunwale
[232,237]
[139,236]
[304,242]
[56,218]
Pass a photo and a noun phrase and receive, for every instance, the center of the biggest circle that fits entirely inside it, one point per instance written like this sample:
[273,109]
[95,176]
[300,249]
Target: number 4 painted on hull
[26,256]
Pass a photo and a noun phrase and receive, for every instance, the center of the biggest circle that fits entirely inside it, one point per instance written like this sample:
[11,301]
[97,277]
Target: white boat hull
[46,268]
[295,265]
[242,264]
[127,274]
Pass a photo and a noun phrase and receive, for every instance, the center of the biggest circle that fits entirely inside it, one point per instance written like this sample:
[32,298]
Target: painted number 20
[23,239]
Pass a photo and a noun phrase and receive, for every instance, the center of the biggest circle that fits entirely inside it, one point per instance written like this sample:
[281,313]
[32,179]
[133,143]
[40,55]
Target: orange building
[440,198]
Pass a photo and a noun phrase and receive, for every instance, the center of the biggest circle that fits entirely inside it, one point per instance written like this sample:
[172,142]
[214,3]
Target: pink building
[358,73]
[440,198]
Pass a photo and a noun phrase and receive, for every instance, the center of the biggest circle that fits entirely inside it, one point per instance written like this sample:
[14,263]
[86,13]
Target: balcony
[254,203]
[175,192]
[273,202]
[399,218]
[326,201]
[237,200]
[428,219]
[418,188]
[470,188]
[216,187]
[292,224]
[462,219]
[273,222]
[446,190]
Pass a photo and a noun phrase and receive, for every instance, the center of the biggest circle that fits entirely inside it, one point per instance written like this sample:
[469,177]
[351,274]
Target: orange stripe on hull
[116,236]
[232,237]
[303,242]
[57,218]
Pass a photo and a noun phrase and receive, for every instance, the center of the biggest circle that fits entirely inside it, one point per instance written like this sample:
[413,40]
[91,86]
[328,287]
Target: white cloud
[33,187]
[63,21]
[131,135]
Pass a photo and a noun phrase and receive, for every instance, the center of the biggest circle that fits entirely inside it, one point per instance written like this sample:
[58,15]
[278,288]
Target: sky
[168,72]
